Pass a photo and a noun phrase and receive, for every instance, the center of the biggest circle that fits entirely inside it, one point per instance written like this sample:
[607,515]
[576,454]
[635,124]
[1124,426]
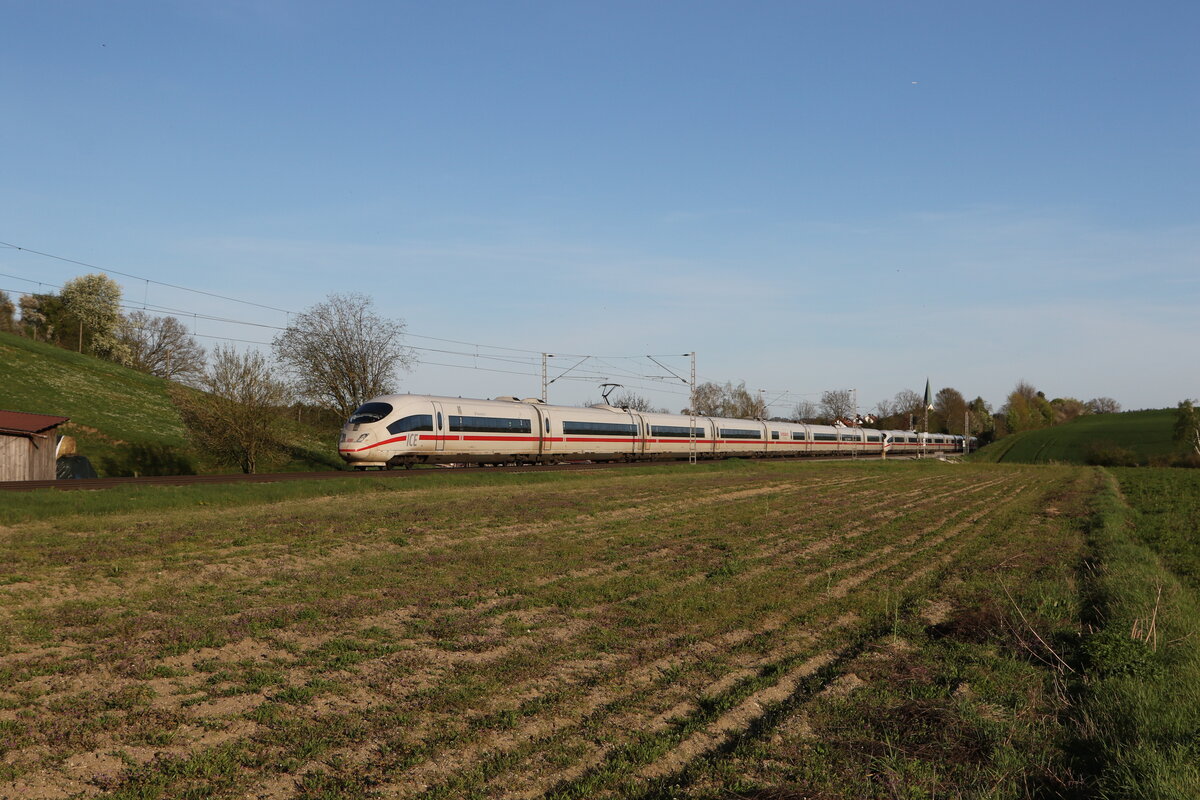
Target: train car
[405,430]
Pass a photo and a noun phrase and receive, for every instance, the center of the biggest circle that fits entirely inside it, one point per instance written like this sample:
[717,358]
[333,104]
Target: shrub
[1108,454]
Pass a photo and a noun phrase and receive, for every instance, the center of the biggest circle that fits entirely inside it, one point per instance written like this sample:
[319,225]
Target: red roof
[25,424]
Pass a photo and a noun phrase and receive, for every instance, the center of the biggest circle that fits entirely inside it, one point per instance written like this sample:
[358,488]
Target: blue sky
[810,195]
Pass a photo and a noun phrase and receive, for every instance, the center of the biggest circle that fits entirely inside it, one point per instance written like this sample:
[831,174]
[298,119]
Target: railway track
[83,484]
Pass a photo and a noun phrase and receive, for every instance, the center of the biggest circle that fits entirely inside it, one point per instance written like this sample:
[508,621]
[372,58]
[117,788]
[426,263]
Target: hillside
[1142,436]
[122,419]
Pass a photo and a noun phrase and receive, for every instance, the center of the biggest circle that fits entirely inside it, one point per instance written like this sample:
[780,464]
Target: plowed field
[741,630]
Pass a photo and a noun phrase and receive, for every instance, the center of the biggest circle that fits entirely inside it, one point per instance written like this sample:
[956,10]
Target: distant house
[27,446]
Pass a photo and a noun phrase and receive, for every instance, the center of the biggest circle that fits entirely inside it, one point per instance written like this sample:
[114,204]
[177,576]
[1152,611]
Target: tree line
[339,353]
[950,412]
[330,358]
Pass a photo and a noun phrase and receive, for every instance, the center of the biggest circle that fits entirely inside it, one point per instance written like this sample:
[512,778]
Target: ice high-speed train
[409,429]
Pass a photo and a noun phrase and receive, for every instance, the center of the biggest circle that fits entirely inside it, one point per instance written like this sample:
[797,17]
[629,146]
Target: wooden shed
[27,446]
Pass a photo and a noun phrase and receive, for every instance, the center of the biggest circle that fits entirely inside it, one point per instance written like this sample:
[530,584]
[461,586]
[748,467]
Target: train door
[541,418]
[439,428]
[641,445]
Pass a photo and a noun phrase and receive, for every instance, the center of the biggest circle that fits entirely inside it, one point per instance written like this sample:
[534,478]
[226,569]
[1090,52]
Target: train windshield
[370,412]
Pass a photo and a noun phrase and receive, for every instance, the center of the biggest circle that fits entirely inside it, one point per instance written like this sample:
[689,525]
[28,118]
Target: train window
[798,436]
[851,437]
[873,439]
[370,412]
[439,421]
[489,425]
[600,428]
[824,437]
[740,433]
[774,434]
[414,422]
[547,426]
[674,430]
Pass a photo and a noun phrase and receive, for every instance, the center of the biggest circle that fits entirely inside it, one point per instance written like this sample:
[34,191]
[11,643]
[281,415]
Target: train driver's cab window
[370,412]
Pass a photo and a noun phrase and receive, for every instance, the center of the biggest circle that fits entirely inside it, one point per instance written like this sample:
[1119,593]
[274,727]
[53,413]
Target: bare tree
[707,399]
[1067,409]
[908,404]
[837,403]
[1103,405]
[236,418]
[805,410]
[745,404]
[340,353]
[162,347]
[727,400]
[634,402]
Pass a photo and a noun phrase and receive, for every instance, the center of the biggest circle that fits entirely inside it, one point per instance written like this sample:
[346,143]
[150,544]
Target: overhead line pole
[692,408]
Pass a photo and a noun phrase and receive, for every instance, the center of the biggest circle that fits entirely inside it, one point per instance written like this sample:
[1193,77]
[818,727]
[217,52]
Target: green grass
[1167,506]
[1138,712]
[1141,436]
[122,420]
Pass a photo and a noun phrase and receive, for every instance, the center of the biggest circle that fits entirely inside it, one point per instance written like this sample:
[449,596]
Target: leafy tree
[8,312]
[94,302]
[236,419]
[1027,409]
[837,403]
[982,422]
[43,317]
[950,410]
[1187,426]
[340,353]
[161,346]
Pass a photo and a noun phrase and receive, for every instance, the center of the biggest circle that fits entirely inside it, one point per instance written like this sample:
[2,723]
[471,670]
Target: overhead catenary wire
[606,370]
[661,384]
[140,277]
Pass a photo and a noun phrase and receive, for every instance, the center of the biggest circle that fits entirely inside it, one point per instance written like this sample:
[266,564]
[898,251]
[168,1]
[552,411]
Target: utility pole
[692,408]
[545,385]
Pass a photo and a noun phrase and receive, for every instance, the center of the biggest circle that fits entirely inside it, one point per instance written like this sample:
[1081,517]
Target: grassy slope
[113,408]
[1145,433]
[109,405]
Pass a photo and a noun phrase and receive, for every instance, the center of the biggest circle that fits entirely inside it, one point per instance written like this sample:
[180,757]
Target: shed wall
[27,459]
